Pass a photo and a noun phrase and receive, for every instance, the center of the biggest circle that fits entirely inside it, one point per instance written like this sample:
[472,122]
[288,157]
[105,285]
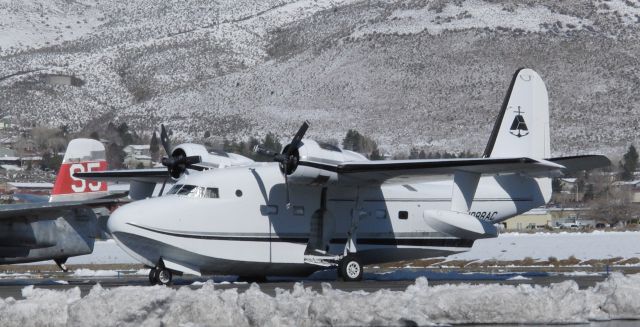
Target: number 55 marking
[80,185]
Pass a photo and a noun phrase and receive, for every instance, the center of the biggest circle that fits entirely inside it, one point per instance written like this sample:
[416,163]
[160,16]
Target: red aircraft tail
[82,155]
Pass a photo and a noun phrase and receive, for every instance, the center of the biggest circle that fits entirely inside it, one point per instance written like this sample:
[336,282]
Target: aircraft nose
[118,220]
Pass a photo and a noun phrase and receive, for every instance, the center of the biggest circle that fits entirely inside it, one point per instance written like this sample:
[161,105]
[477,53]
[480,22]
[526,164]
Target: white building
[137,155]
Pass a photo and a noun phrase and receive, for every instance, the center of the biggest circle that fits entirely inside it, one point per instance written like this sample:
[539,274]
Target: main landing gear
[350,269]
[160,276]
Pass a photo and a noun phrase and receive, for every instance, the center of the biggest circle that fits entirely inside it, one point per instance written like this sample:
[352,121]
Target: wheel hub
[353,269]
[163,276]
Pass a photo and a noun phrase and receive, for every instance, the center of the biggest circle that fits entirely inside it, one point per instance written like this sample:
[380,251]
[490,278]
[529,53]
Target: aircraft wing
[150,175]
[411,171]
[15,211]
[577,163]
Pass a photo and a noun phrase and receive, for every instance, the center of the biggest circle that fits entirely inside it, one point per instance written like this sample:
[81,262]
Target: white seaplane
[318,206]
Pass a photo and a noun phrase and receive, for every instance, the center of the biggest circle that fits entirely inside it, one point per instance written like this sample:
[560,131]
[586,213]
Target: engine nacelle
[210,159]
[54,235]
[321,153]
[459,224]
[34,234]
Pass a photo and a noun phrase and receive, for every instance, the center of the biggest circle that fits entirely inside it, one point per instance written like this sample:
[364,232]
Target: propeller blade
[164,139]
[295,143]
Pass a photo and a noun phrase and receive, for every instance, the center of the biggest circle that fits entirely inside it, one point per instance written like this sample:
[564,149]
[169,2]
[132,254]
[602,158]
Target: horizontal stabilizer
[577,163]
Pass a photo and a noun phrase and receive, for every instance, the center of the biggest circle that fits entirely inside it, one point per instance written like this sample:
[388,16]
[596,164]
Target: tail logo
[519,127]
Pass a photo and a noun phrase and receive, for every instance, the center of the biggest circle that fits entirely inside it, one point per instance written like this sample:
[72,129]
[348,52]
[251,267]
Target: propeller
[177,161]
[289,157]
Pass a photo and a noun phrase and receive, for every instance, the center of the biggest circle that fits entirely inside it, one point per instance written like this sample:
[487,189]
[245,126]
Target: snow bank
[618,297]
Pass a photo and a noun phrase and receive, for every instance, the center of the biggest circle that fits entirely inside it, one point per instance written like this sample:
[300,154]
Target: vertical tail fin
[522,128]
[82,155]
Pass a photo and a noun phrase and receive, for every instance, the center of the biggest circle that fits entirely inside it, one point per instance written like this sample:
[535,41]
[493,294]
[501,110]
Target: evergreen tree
[351,140]
[154,147]
[357,142]
[414,153]
[629,163]
[50,161]
[271,142]
[115,156]
[376,155]
[556,185]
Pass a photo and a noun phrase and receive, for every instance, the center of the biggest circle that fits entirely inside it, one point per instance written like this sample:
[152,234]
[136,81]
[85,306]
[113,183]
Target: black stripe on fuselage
[227,238]
[443,242]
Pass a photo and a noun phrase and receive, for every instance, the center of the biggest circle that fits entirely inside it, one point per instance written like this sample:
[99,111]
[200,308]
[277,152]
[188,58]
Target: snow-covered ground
[583,246]
[618,297]
[104,252]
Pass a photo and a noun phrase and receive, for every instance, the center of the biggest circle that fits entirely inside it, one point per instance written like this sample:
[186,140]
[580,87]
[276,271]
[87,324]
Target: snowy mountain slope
[430,74]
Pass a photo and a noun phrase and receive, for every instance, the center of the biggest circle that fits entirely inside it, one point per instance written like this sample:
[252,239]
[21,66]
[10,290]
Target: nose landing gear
[350,269]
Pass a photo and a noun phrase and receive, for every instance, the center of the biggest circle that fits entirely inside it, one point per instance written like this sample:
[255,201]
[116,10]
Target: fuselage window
[298,210]
[174,189]
[238,193]
[212,193]
[381,214]
[403,214]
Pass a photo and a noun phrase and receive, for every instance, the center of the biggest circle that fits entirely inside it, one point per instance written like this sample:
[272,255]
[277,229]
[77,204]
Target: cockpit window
[174,189]
[195,191]
[186,189]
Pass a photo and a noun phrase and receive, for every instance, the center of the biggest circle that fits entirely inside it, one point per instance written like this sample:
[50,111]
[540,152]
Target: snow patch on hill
[32,24]
[472,14]
[628,11]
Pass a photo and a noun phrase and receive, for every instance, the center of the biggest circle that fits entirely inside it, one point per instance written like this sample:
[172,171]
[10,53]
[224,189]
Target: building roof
[30,185]
[622,183]
[10,167]
[138,146]
[537,211]
[6,152]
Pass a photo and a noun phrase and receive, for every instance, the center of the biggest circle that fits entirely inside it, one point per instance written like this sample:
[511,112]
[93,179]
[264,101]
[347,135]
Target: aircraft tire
[350,269]
[153,276]
[164,276]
